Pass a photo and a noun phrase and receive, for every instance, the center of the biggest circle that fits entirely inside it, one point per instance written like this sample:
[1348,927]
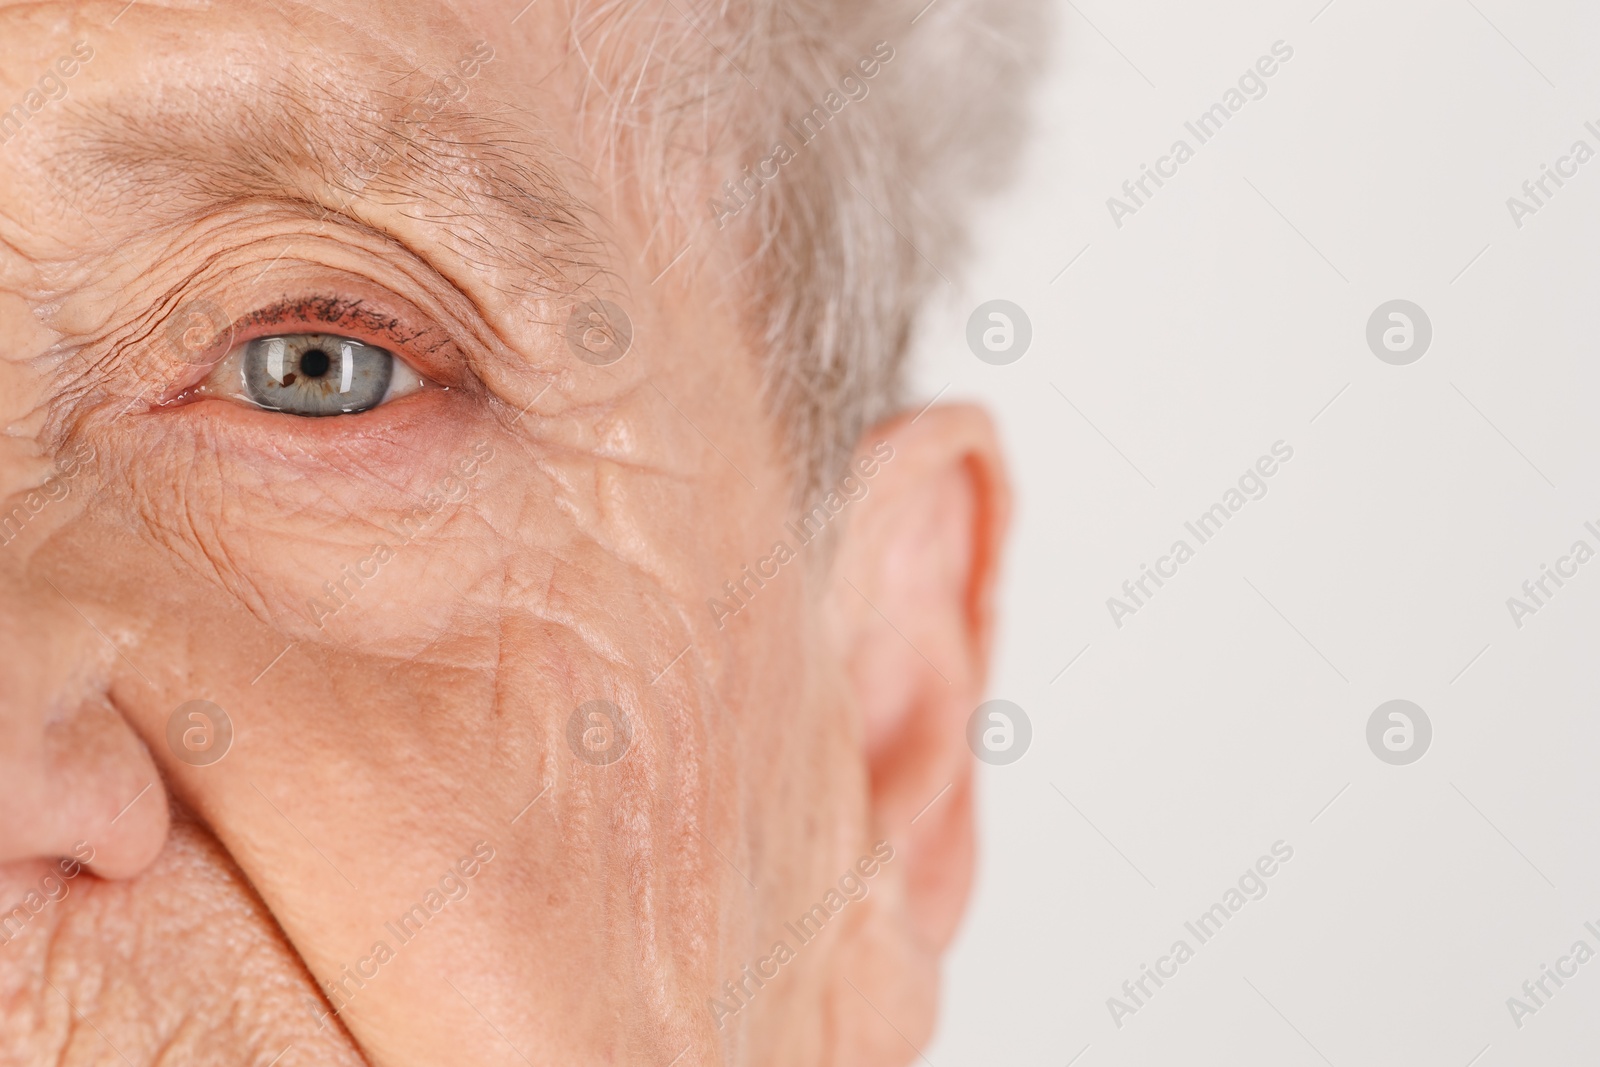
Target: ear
[912,593]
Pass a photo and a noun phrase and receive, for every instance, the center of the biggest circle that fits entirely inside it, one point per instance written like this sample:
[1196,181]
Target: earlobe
[913,589]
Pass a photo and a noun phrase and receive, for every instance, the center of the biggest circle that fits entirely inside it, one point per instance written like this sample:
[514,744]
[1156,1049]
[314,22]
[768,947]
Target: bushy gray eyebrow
[483,179]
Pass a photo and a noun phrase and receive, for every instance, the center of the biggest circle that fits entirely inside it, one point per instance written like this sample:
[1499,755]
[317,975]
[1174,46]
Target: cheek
[336,601]
[329,537]
[797,749]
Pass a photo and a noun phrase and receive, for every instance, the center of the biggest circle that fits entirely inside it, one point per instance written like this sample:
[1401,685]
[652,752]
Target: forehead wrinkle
[478,177]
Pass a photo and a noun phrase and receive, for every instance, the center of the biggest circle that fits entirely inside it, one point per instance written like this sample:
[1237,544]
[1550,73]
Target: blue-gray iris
[315,374]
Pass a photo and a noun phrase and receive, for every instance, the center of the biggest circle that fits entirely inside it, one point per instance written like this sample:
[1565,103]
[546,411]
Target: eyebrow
[325,148]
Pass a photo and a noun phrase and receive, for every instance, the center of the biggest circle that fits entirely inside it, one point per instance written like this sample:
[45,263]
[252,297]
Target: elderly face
[413,651]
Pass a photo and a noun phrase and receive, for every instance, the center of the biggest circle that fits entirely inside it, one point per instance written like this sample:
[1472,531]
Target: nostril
[83,787]
[133,837]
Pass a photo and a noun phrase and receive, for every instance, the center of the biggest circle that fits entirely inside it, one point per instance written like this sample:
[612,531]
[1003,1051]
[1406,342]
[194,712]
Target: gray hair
[835,253]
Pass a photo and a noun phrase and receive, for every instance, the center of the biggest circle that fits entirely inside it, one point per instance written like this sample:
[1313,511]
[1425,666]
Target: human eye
[312,375]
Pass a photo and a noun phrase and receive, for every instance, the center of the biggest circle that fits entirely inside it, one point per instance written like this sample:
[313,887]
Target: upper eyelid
[343,317]
[210,341]
[255,275]
[238,247]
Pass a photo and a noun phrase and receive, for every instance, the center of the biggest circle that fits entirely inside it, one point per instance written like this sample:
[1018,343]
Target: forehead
[172,42]
[167,67]
[120,117]
[399,25]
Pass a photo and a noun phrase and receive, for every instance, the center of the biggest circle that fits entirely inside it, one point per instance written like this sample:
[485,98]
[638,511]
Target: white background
[1230,711]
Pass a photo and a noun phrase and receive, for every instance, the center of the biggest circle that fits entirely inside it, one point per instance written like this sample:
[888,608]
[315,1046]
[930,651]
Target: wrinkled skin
[175,542]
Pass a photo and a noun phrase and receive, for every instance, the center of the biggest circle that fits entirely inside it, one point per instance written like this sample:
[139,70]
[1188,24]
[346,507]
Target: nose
[75,779]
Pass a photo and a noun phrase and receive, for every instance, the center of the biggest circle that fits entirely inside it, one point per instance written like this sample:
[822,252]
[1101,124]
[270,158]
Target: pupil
[315,363]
